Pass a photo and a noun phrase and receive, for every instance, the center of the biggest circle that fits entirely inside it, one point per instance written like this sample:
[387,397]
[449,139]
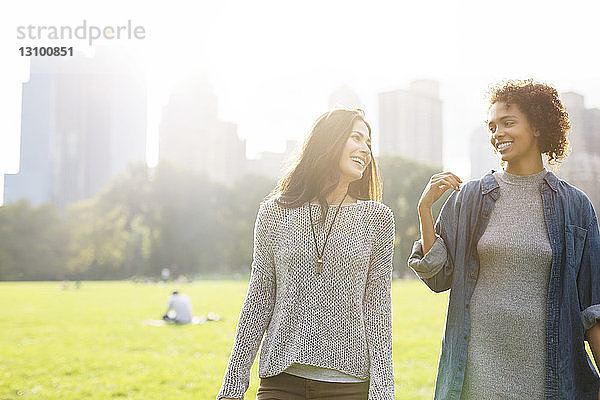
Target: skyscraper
[582,165]
[83,121]
[585,124]
[192,136]
[274,164]
[410,122]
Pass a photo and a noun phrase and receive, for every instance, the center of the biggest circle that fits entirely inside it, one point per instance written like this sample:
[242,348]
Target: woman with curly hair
[519,250]
[320,286]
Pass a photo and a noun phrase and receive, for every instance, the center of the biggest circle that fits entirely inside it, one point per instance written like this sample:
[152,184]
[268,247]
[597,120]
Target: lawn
[92,343]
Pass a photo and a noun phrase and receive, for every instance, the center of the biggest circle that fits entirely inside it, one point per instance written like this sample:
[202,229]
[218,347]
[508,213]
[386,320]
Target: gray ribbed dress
[507,346]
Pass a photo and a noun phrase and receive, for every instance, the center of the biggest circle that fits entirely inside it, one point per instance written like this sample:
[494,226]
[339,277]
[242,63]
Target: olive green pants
[289,387]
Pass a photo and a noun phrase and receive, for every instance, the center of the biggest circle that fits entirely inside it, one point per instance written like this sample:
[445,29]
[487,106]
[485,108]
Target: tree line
[148,219]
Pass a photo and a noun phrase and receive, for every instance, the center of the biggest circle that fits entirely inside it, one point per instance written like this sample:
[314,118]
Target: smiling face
[356,154]
[514,138]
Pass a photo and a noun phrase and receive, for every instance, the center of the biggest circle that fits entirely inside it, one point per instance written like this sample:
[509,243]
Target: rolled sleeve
[588,280]
[590,316]
[428,265]
[436,268]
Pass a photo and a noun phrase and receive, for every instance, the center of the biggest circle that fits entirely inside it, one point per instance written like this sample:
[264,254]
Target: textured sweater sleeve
[377,309]
[255,314]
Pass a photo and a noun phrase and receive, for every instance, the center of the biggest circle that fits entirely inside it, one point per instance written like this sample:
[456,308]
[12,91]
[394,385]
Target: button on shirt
[573,304]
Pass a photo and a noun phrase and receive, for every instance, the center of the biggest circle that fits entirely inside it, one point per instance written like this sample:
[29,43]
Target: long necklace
[312,227]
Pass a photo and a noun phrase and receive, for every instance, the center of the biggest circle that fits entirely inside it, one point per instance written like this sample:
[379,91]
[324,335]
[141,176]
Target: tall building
[192,136]
[481,153]
[410,122]
[585,124]
[274,164]
[582,165]
[592,129]
[83,120]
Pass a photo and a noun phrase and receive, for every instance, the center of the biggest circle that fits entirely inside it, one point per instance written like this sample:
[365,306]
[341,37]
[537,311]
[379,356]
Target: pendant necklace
[312,227]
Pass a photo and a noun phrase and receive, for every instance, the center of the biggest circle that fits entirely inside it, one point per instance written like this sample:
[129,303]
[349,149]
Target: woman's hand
[436,187]
[593,337]
[438,184]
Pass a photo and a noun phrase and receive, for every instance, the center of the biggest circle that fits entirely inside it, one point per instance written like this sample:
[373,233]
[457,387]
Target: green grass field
[91,343]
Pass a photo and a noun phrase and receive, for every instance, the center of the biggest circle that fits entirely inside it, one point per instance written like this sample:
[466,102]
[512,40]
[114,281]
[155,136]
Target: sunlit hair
[316,172]
[545,112]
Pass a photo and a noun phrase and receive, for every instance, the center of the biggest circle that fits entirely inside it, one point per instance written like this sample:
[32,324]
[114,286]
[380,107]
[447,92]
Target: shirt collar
[489,183]
[552,181]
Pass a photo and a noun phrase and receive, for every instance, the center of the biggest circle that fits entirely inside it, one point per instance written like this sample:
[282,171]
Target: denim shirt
[573,304]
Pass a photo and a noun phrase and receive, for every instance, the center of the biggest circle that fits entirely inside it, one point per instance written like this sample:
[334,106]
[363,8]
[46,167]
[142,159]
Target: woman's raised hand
[436,187]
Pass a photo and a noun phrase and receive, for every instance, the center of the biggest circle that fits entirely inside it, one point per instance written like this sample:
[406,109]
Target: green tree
[148,219]
[242,205]
[33,242]
[111,234]
[189,237]
[403,183]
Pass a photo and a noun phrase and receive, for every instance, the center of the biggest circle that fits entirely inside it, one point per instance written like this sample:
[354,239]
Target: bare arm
[593,338]
[436,187]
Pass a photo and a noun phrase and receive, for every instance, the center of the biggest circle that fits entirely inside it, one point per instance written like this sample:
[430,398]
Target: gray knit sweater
[507,351]
[339,319]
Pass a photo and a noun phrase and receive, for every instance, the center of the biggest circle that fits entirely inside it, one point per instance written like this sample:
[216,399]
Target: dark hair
[315,173]
[545,112]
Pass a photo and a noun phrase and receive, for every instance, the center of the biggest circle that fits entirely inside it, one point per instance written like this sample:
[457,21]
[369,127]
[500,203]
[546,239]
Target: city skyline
[189,125]
[83,122]
[273,76]
[277,155]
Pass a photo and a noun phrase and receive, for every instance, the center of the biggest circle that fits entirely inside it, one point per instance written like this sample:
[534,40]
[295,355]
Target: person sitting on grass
[179,309]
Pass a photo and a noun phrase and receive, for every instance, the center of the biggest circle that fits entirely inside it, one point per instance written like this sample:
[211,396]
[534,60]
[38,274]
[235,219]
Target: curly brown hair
[544,110]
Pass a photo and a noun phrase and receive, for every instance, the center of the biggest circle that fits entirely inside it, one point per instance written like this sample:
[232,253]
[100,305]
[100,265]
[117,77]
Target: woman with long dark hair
[519,250]
[320,286]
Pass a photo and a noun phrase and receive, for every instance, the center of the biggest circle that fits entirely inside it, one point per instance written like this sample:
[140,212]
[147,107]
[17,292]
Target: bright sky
[273,64]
